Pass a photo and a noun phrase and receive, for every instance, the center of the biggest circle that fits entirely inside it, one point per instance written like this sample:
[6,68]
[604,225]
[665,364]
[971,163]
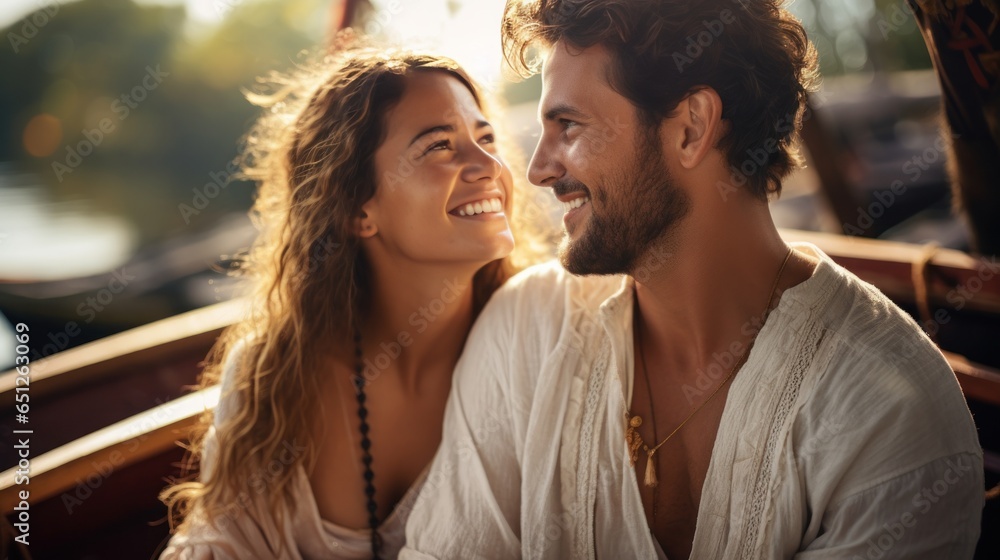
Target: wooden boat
[107,416]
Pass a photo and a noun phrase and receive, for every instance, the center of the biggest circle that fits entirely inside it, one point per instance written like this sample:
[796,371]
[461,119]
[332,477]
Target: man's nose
[545,167]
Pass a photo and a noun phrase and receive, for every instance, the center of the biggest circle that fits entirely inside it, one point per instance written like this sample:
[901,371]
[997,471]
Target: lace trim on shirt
[757,498]
[587,465]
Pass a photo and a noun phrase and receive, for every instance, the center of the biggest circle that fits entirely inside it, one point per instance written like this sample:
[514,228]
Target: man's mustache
[569,186]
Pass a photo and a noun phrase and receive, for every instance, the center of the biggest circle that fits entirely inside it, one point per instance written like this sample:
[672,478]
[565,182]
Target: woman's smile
[484,209]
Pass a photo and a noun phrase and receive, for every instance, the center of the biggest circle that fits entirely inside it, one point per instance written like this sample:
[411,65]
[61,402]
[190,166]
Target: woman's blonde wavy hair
[312,155]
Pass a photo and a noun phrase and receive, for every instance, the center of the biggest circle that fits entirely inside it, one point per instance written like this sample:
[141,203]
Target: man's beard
[635,207]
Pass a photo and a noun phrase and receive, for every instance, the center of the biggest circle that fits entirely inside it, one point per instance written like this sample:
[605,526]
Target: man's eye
[566,123]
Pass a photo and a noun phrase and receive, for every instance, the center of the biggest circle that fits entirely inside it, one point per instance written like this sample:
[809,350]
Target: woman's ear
[364,225]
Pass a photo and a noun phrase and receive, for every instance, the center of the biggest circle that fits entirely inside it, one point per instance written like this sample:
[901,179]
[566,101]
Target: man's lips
[576,202]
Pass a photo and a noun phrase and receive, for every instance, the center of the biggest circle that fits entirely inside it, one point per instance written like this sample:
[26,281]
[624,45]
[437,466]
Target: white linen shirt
[845,434]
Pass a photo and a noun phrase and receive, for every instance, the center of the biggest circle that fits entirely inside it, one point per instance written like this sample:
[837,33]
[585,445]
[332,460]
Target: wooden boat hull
[107,415]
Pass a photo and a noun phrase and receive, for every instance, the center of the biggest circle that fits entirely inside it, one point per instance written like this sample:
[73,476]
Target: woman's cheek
[507,182]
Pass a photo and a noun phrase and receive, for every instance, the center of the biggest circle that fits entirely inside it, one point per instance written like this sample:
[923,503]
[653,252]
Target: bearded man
[684,384]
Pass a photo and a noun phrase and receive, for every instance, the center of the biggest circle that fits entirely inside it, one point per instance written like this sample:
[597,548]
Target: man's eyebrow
[444,128]
[562,109]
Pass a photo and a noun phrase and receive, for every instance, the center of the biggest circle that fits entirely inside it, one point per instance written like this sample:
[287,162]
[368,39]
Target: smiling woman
[386,211]
[439,161]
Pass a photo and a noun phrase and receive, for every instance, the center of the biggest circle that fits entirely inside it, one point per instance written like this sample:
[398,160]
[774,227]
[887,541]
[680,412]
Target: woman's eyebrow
[445,128]
[431,130]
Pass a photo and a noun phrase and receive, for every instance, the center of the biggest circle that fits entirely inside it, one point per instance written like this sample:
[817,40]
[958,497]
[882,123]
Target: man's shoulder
[880,369]
[876,329]
[550,286]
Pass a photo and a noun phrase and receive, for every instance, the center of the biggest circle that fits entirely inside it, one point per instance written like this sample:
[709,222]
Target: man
[689,386]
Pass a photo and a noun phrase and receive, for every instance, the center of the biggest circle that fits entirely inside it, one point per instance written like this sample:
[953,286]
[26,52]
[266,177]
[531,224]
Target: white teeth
[490,205]
[576,203]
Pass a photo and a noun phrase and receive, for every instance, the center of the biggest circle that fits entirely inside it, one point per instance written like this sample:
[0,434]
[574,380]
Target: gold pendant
[650,479]
[632,438]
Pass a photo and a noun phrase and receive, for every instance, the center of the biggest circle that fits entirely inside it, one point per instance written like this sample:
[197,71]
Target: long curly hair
[754,54]
[312,155]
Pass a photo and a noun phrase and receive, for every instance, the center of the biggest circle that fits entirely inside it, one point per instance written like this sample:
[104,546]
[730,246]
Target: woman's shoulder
[229,378]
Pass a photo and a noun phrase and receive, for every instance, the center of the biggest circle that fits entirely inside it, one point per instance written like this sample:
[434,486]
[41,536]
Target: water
[44,238]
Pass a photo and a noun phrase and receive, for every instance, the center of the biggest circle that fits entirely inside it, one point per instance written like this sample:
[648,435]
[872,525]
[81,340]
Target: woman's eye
[488,139]
[438,146]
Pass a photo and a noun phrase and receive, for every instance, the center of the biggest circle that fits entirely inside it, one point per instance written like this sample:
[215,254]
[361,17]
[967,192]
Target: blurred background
[119,123]
[119,120]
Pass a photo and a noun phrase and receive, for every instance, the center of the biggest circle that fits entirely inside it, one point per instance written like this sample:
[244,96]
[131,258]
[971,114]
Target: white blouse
[845,434]
[248,531]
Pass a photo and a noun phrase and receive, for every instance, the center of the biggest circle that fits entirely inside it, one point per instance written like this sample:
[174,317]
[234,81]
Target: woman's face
[442,192]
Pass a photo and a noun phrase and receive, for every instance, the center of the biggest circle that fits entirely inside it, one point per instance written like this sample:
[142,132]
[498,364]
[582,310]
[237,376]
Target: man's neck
[704,292]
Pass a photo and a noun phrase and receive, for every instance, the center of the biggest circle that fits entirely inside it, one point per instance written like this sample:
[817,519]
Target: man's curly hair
[753,53]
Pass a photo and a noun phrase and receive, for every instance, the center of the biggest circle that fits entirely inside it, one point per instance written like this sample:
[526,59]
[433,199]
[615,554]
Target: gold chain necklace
[632,437]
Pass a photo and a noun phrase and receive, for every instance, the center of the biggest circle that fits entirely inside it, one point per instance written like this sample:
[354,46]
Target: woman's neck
[418,322]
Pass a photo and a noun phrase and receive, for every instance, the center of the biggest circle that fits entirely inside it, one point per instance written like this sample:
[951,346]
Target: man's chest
[673,447]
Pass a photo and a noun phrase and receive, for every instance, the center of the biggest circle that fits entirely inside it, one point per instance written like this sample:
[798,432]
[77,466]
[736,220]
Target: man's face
[606,166]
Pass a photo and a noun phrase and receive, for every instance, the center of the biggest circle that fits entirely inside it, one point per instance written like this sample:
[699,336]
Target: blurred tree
[133,107]
[863,35]
[159,153]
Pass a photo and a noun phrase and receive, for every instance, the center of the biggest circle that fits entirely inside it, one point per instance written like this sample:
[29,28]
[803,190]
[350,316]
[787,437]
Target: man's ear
[699,124]
[364,225]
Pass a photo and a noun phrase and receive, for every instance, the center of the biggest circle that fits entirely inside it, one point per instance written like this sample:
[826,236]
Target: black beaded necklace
[366,444]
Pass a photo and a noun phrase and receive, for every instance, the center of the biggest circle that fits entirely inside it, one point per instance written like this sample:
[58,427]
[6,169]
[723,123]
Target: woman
[385,212]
